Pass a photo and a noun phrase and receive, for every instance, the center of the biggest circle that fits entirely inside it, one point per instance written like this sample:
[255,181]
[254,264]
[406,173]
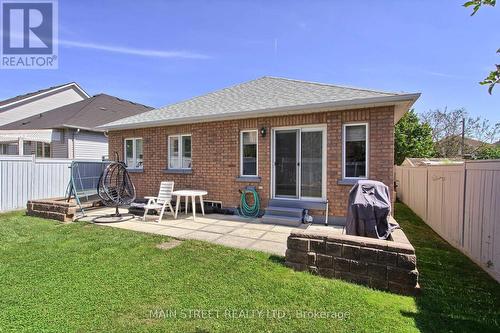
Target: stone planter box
[56,208]
[381,264]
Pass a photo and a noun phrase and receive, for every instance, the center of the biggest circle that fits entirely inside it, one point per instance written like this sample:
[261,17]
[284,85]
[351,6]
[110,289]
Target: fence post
[462,236]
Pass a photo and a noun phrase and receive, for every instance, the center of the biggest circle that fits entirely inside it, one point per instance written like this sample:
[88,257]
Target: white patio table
[187,194]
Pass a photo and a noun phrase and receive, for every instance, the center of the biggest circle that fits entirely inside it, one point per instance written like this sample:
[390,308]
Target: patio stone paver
[146,227]
[231,223]
[201,219]
[203,235]
[191,225]
[258,226]
[221,229]
[122,225]
[169,245]
[275,237]
[174,232]
[172,222]
[248,233]
[283,229]
[235,241]
[228,230]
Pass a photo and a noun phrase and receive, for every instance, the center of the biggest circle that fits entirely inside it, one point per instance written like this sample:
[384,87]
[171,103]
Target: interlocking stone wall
[387,265]
[55,209]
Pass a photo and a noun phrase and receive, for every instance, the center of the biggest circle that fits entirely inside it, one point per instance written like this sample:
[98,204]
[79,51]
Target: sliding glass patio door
[311,163]
[286,163]
[298,163]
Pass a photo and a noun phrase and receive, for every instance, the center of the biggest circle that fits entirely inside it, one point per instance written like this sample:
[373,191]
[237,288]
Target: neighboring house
[299,143]
[68,131]
[451,146]
[31,104]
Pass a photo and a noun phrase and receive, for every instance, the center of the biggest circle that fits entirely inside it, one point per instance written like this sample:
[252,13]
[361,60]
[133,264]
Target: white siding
[40,105]
[59,148]
[25,177]
[90,145]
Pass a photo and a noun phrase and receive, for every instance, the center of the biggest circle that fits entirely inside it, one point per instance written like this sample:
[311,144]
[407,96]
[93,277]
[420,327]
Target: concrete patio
[228,230]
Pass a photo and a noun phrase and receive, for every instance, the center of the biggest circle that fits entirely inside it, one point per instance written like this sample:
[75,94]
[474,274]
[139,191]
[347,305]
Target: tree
[488,153]
[494,76]
[412,138]
[449,126]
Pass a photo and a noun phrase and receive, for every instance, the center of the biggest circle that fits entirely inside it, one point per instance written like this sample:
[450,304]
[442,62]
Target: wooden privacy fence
[23,178]
[461,203]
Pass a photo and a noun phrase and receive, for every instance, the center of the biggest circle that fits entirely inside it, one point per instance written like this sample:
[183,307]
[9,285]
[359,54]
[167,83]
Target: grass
[82,277]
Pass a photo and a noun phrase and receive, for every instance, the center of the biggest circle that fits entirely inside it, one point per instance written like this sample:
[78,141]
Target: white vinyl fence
[25,177]
[461,203]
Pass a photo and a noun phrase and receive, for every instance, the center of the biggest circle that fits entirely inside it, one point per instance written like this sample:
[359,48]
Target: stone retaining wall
[55,209]
[381,264]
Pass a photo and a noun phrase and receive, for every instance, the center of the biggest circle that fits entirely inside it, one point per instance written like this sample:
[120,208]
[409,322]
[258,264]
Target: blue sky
[160,52]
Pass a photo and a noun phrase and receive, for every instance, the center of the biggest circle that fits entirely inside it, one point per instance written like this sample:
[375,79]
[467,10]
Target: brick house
[299,143]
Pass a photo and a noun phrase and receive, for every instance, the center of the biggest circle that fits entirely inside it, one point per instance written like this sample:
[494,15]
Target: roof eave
[402,102]
[75,85]
[90,129]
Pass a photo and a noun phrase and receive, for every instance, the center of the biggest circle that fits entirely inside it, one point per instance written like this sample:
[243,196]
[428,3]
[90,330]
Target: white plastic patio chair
[161,201]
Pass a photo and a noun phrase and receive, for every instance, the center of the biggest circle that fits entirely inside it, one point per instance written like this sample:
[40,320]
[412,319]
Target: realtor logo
[29,34]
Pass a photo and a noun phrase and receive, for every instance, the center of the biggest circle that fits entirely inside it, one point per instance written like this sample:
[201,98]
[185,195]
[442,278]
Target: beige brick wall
[215,154]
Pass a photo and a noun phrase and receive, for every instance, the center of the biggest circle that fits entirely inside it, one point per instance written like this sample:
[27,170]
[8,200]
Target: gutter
[286,110]
[90,129]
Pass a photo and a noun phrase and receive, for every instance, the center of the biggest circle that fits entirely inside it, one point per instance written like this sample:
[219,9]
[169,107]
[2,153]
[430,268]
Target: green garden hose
[247,210]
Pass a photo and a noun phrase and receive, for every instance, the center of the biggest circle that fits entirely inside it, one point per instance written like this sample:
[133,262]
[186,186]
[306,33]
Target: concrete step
[282,220]
[304,204]
[285,211]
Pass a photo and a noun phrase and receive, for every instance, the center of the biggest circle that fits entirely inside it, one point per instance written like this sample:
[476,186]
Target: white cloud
[134,51]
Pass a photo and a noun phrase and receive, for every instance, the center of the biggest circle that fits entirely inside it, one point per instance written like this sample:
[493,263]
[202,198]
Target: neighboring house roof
[416,162]
[266,96]
[87,114]
[474,143]
[11,102]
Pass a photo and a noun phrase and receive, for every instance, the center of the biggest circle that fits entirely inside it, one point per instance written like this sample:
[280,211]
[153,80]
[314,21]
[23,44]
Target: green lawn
[81,277]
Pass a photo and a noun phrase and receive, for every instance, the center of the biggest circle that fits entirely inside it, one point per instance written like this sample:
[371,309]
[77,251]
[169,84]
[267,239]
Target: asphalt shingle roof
[87,114]
[266,93]
[30,94]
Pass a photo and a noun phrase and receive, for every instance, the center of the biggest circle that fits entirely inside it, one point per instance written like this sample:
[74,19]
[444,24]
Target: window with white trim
[248,153]
[42,149]
[355,151]
[179,151]
[134,157]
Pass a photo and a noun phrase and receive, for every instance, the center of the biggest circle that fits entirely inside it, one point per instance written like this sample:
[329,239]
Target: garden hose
[247,210]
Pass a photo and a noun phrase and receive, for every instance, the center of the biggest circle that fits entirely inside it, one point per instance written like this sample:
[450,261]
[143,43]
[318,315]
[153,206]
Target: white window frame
[367,152]
[134,152]
[181,150]
[256,153]
[312,127]
[43,145]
